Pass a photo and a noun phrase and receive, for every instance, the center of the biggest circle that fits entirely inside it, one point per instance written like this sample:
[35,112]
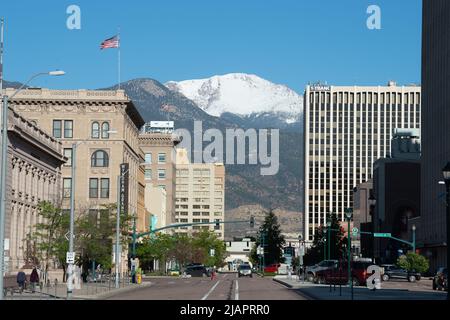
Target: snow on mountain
[241,94]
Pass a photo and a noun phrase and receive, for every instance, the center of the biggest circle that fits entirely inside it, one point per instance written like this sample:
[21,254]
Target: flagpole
[1,57]
[118,36]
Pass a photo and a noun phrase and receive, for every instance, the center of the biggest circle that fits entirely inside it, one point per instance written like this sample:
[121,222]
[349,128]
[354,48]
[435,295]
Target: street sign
[382,235]
[70,257]
[260,251]
[355,231]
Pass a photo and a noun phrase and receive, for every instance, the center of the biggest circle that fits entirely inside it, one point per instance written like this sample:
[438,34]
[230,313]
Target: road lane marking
[236,293]
[210,291]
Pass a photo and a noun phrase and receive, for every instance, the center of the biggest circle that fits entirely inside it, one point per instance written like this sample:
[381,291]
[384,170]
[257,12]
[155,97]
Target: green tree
[203,242]
[413,262]
[48,237]
[95,231]
[273,240]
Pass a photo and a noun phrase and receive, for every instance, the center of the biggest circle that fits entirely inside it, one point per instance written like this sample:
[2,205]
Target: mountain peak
[242,94]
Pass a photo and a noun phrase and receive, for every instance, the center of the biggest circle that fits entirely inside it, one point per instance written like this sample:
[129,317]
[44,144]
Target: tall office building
[200,194]
[347,128]
[431,236]
[158,140]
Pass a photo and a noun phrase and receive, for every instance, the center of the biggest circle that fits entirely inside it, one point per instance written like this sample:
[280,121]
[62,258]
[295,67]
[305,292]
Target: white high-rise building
[347,128]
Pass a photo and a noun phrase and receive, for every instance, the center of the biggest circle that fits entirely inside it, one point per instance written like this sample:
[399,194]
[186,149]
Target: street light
[4,165]
[329,241]
[446,174]
[348,217]
[413,228]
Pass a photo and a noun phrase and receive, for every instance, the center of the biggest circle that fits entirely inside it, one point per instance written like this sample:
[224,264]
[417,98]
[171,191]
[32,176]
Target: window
[104,188]
[161,158]
[93,188]
[105,130]
[68,129]
[57,128]
[100,159]
[161,174]
[148,158]
[95,130]
[148,174]
[67,187]
[68,154]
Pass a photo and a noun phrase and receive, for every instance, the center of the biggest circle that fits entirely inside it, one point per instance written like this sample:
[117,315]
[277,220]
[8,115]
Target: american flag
[110,43]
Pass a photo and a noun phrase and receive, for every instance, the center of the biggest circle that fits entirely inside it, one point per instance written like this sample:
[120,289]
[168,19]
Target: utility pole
[3,169]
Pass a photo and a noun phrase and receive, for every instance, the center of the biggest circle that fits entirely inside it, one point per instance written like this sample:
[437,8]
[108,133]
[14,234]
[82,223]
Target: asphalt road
[224,287]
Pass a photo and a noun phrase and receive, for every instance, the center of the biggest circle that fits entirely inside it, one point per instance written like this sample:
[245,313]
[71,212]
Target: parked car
[323,265]
[245,270]
[273,268]
[339,274]
[196,270]
[393,272]
[440,280]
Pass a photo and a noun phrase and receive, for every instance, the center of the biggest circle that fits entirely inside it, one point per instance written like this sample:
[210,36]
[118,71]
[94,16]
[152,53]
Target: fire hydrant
[139,276]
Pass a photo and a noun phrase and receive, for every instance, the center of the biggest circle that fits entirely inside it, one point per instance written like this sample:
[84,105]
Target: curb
[302,293]
[115,292]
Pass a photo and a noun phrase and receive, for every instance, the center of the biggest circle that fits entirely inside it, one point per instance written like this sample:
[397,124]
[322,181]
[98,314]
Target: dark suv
[393,272]
[196,270]
[440,280]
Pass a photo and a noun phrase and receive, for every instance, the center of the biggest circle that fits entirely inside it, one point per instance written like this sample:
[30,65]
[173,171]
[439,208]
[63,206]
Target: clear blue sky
[285,41]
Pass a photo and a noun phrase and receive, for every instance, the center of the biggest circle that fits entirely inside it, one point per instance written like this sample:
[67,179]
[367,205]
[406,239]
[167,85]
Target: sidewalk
[322,292]
[88,291]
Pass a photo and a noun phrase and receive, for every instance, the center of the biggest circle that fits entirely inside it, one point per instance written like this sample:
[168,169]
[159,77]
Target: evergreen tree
[273,241]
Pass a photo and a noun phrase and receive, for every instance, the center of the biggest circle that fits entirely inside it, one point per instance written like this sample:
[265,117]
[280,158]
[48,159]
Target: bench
[10,284]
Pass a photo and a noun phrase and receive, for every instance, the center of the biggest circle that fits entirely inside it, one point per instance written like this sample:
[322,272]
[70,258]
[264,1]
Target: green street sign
[382,235]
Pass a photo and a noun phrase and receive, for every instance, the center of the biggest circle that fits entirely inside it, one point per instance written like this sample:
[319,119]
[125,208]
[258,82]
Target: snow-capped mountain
[242,94]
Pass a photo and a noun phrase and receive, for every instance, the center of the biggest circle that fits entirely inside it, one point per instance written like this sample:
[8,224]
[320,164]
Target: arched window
[105,130]
[100,159]
[95,132]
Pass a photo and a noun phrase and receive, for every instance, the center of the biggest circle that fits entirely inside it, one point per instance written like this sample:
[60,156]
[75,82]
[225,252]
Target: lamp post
[372,204]
[446,173]
[348,216]
[4,160]
[413,228]
[301,249]
[329,240]
[324,248]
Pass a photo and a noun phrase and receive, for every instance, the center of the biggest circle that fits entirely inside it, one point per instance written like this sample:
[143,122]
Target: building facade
[346,130]
[155,203]
[104,126]
[200,194]
[435,129]
[158,143]
[33,175]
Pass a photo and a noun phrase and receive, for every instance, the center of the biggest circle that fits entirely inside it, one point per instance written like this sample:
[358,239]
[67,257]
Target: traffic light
[252,221]
[217,227]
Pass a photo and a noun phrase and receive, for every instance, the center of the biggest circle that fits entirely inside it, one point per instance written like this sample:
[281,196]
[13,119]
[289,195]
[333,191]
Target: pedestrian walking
[21,279]
[213,273]
[34,279]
